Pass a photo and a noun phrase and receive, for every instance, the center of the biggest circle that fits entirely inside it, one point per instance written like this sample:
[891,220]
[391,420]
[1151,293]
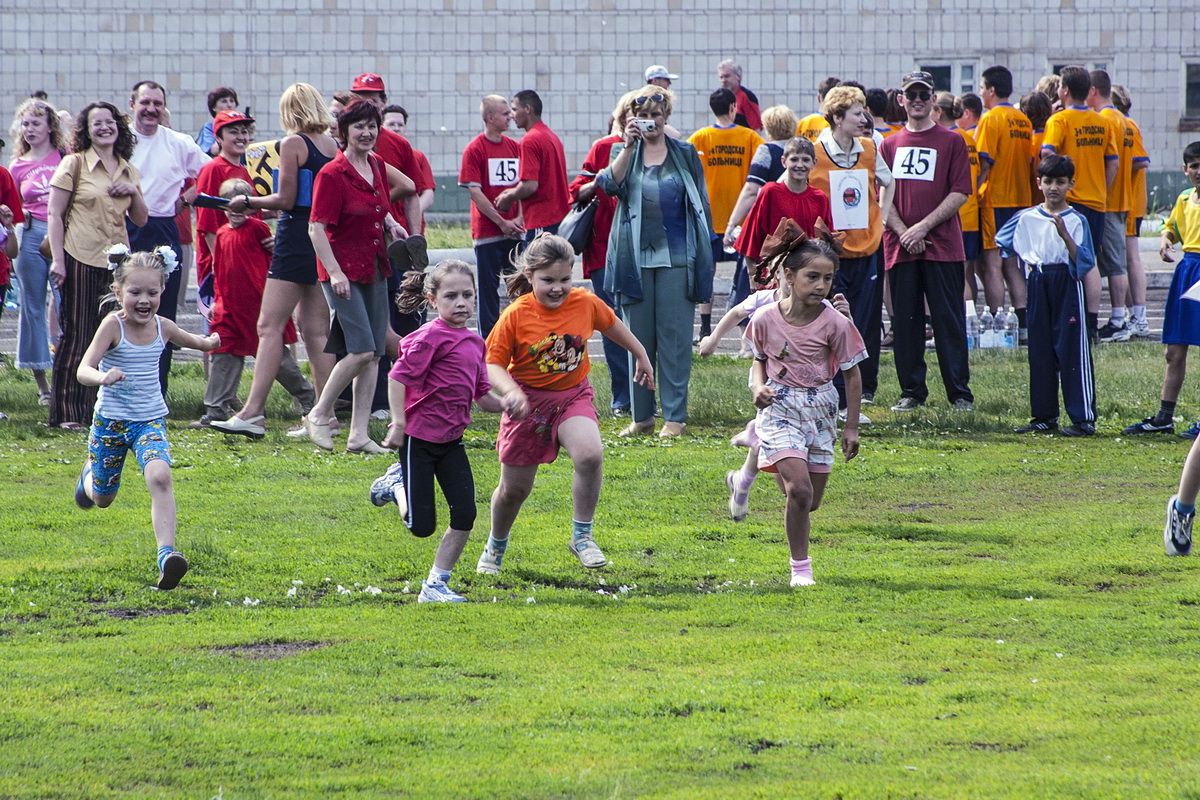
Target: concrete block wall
[438,57]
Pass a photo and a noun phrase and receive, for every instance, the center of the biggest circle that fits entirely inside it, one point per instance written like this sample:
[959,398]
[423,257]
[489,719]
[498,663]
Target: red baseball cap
[368,82]
[229,118]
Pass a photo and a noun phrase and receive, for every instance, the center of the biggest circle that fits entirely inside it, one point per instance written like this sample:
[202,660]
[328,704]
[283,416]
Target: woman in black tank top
[292,281]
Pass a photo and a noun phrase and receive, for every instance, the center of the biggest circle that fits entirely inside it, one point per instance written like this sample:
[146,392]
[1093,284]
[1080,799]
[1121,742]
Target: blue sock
[438,575]
[499,545]
[1185,509]
[580,530]
[163,552]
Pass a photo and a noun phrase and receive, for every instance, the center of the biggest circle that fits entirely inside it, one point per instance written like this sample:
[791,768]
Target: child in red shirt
[241,256]
[794,199]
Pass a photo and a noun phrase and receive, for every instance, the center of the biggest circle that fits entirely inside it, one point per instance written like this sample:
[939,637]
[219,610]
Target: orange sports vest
[864,242]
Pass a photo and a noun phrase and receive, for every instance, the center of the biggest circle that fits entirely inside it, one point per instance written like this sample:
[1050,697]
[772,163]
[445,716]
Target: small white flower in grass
[297,582]
[32,604]
[603,582]
[405,590]
[291,592]
[733,561]
[999,641]
[328,580]
[372,589]
[250,601]
[752,583]
[530,599]
[1030,599]
[1035,680]
[624,589]
[343,590]
[1059,655]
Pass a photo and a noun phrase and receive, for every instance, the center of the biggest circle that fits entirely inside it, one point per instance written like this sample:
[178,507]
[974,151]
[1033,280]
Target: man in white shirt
[166,159]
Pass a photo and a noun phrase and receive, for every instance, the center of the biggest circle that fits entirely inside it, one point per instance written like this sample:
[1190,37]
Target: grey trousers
[225,373]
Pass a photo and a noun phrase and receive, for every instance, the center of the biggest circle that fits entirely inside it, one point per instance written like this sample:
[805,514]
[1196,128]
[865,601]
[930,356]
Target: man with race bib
[923,248]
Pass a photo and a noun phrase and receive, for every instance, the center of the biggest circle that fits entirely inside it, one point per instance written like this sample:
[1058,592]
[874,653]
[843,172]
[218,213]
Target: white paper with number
[849,199]
[503,171]
[915,163]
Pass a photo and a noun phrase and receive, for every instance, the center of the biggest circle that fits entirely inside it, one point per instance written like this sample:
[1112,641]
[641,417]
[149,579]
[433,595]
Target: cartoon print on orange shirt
[558,353]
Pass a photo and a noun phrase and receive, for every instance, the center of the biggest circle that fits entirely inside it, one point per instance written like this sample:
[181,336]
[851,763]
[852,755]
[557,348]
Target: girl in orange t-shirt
[538,352]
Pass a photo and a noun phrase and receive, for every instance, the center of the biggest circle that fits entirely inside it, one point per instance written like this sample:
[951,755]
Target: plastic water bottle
[987,332]
[972,326]
[998,323]
[1010,328]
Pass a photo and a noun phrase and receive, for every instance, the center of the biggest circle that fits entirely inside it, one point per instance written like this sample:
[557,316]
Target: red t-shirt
[397,152]
[606,207]
[543,160]
[493,167]
[210,220]
[426,173]
[240,265]
[748,113]
[354,211]
[927,166]
[11,197]
[776,201]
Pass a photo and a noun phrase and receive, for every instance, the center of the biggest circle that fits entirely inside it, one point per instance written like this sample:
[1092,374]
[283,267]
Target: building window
[956,78]
[1191,91]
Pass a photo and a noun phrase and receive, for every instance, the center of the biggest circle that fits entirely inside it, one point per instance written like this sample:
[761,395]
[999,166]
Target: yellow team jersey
[1184,222]
[1002,137]
[811,126]
[725,154]
[1137,199]
[1089,140]
[1119,197]
[1035,155]
[968,212]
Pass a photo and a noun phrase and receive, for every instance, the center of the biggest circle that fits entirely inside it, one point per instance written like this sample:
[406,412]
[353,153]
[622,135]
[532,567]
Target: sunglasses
[654,98]
[923,95]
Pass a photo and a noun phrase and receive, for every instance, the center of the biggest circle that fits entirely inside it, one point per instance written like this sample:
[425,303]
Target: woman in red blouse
[351,197]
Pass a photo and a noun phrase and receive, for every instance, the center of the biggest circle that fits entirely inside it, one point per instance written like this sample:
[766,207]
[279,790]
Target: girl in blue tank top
[130,410]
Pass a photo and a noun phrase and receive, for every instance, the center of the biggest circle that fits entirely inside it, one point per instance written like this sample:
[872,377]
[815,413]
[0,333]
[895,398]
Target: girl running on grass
[130,410]
[538,350]
[438,372]
[799,345]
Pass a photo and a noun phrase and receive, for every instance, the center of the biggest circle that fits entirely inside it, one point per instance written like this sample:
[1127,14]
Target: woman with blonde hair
[39,150]
[292,281]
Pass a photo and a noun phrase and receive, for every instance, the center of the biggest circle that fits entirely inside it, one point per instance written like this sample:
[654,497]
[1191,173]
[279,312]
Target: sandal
[670,430]
[371,448]
[644,428]
[44,399]
[70,426]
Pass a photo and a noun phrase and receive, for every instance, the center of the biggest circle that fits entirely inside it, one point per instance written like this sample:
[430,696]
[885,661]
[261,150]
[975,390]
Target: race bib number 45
[915,163]
[503,171]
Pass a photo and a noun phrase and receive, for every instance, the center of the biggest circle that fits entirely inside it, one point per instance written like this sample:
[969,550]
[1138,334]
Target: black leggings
[447,461]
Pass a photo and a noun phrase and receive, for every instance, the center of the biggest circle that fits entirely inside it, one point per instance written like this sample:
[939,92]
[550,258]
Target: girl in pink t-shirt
[799,345]
[438,372]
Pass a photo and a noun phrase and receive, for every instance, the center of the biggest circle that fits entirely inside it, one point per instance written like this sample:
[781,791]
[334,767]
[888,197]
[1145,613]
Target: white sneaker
[489,561]
[737,511]
[1140,328]
[588,553]
[802,580]
[863,419]
[438,593]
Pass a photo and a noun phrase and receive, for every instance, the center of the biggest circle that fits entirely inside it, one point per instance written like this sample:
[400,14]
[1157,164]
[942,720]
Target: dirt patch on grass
[269,651]
[139,613]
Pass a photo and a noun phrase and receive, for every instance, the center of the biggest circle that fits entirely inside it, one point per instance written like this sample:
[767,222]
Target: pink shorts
[801,423]
[534,440]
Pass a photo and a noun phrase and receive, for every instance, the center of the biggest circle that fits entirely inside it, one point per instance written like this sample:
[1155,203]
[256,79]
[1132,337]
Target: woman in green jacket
[660,262]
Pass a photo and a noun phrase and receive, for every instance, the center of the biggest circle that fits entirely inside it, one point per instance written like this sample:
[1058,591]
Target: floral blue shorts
[111,439]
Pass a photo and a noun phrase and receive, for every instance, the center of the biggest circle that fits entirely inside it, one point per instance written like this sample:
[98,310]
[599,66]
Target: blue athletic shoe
[438,593]
[383,489]
[1177,533]
[1192,431]
[81,498]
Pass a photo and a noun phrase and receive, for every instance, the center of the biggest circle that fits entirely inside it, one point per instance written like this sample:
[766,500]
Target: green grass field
[994,618]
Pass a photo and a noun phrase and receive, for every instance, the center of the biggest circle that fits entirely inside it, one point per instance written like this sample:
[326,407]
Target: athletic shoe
[1192,431]
[1078,430]
[1114,333]
[1148,425]
[489,561]
[737,511]
[802,580]
[1037,426]
[438,593]
[383,488]
[174,568]
[907,404]
[963,404]
[588,553]
[81,498]
[1140,328]
[205,421]
[868,398]
[1177,533]
[863,419]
